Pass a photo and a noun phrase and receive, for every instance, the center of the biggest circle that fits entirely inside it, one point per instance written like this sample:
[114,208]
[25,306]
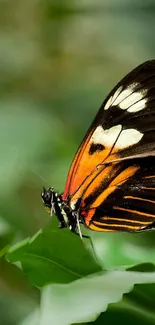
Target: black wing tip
[149,64]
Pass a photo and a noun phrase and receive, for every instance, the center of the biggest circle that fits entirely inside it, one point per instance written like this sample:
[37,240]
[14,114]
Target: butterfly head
[54,205]
[49,198]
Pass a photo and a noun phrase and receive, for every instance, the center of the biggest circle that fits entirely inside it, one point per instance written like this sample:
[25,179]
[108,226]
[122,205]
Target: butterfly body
[54,204]
[111,182]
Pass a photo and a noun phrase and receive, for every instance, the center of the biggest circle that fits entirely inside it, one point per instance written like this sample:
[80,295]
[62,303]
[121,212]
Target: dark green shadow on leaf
[53,256]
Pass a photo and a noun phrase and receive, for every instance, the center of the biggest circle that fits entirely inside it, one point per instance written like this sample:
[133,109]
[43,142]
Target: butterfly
[111,181]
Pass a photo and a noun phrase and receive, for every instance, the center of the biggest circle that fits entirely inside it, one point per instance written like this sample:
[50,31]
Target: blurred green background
[58,61]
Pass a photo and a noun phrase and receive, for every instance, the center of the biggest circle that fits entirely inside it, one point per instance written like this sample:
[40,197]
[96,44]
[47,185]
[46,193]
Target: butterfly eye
[46,196]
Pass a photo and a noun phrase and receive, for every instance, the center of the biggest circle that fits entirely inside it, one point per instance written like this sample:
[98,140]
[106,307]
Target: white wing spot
[108,103]
[125,93]
[132,99]
[116,94]
[112,98]
[128,99]
[128,138]
[106,137]
[138,106]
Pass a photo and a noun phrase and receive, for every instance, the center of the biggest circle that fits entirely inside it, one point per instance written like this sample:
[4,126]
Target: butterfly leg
[75,225]
[78,225]
[91,244]
[75,228]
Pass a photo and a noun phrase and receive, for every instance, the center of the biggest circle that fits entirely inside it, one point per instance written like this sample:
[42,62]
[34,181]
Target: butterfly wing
[126,201]
[122,131]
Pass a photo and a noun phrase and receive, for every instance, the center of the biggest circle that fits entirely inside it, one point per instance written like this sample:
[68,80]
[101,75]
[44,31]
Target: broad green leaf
[84,299]
[115,250]
[126,315]
[53,255]
[32,318]
[17,297]
[14,280]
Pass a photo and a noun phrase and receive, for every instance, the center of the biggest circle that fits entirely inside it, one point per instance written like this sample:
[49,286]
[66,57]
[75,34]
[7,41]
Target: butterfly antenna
[43,179]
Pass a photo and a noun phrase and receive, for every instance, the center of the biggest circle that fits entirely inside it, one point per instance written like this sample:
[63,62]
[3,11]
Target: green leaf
[125,315]
[17,297]
[115,250]
[84,299]
[13,279]
[31,319]
[53,255]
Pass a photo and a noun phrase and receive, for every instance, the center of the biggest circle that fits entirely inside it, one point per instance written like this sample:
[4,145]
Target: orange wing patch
[99,147]
[119,180]
[83,167]
[70,185]
[94,150]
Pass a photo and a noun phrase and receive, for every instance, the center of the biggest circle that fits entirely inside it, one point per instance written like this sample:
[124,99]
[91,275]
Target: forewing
[126,202]
[123,128]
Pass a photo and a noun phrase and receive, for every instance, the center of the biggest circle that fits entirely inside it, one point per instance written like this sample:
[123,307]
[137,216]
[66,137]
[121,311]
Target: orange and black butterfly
[111,182]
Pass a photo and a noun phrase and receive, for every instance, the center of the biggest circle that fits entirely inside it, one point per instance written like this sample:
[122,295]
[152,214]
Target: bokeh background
[58,60]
